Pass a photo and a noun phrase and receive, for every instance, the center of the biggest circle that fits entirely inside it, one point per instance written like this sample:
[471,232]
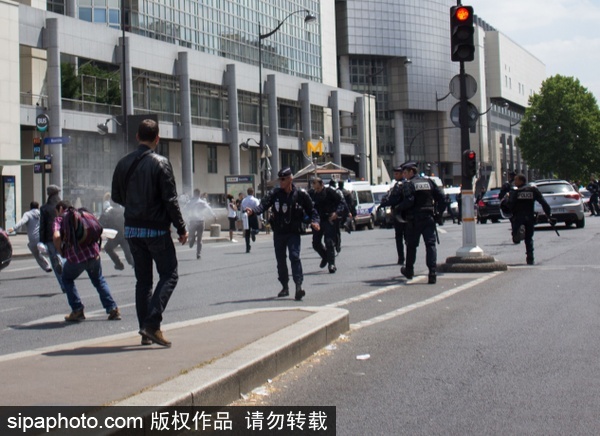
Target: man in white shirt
[250,222]
[196,211]
[31,219]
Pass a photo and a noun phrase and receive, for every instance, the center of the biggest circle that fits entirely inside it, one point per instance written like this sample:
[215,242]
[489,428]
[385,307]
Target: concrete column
[335,127]
[305,116]
[71,8]
[400,153]
[54,99]
[359,112]
[187,176]
[127,85]
[234,125]
[273,139]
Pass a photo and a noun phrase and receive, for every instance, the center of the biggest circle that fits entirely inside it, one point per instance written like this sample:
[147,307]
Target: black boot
[409,274]
[432,278]
[299,292]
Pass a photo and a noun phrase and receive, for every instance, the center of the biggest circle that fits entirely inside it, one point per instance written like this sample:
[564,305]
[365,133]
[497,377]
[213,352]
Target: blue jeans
[54,259]
[160,250]
[93,267]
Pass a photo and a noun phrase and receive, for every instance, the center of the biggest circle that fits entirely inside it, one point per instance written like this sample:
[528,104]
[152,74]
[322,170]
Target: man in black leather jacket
[144,184]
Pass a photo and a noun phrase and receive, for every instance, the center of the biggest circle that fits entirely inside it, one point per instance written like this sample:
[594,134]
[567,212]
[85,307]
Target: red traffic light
[462,13]
[471,155]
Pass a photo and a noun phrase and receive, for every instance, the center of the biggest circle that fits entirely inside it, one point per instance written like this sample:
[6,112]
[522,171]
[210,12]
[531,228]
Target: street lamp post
[309,18]
[124,81]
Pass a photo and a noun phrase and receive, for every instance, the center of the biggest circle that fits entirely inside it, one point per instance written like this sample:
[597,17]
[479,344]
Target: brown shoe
[155,336]
[114,315]
[75,316]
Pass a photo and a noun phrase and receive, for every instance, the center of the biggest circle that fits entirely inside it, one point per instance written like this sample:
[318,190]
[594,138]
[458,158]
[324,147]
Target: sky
[563,34]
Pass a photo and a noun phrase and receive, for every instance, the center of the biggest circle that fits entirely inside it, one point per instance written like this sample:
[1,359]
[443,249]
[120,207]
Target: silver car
[565,201]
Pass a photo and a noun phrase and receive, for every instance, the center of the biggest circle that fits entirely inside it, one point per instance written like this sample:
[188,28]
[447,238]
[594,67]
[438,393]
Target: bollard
[215,230]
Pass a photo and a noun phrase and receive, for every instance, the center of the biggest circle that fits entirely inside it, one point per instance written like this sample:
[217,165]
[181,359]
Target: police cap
[398,168]
[284,172]
[409,165]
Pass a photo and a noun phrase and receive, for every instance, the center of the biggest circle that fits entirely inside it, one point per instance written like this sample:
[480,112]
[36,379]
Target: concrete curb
[223,381]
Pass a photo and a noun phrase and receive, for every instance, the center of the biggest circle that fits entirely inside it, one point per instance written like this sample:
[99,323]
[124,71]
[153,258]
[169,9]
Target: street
[493,353]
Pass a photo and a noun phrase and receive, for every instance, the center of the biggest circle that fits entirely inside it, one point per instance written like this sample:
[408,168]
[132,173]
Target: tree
[560,132]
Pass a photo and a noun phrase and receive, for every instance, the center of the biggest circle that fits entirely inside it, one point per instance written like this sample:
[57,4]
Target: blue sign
[57,140]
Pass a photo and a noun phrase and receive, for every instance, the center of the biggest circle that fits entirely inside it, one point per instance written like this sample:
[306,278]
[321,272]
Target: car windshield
[555,188]
[378,196]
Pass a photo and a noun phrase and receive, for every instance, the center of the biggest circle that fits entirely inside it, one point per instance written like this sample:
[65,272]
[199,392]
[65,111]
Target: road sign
[57,140]
[472,112]
[471,86]
[42,122]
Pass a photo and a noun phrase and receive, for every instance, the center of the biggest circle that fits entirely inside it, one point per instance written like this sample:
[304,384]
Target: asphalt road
[504,353]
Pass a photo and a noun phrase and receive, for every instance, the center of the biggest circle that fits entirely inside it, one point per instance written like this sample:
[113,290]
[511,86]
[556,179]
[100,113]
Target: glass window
[99,15]
[211,159]
[85,14]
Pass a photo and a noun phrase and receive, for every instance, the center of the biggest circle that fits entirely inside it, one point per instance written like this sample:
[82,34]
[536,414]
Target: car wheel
[483,220]
[495,220]
[581,223]
[568,224]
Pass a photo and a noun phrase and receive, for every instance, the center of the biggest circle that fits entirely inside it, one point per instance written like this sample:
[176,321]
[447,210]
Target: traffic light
[461,33]
[469,163]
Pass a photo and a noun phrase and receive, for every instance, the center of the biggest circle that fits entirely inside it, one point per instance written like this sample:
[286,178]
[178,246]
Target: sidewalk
[212,361]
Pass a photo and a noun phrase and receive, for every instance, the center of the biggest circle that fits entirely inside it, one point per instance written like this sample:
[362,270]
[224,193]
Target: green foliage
[91,83]
[561,129]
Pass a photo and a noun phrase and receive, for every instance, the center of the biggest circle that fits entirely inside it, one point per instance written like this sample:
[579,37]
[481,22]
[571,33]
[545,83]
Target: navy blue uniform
[593,204]
[521,202]
[288,212]
[421,198]
[393,198]
[327,202]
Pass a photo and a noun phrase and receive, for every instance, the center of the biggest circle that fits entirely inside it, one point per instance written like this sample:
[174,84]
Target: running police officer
[290,207]
[350,204]
[593,203]
[521,203]
[392,199]
[330,207]
[421,199]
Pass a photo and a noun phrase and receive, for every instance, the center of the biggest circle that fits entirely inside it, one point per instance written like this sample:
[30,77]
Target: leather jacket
[150,198]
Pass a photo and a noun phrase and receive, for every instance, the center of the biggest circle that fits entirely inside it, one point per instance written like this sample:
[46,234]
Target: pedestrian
[521,202]
[459,206]
[290,207]
[350,204]
[392,199]
[80,257]
[593,188]
[112,218]
[31,219]
[250,221]
[507,186]
[238,213]
[231,216]
[196,211]
[143,182]
[421,198]
[448,201]
[330,205]
[47,216]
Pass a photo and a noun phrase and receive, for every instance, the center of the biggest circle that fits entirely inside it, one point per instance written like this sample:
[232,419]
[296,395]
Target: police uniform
[593,204]
[521,202]
[288,212]
[392,199]
[421,199]
[326,202]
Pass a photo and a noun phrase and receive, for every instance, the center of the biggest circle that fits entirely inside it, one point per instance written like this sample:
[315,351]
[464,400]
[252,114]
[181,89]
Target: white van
[365,205]
[383,216]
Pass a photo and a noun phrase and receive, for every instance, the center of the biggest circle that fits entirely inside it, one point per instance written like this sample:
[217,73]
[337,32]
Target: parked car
[585,197]
[383,215]
[488,208]
[565,201]
[452,191]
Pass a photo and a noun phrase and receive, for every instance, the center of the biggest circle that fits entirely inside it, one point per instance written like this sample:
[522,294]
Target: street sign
[471,85]
[57,140]
[472,112]
[42,122]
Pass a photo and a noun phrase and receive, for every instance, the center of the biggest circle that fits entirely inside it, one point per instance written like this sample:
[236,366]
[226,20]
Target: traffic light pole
[469,247]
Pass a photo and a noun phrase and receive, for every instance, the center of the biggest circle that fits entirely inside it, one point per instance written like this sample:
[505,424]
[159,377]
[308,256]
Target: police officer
[290,207]
[507,186]
[521,203]
[421,198]
[330,206]
[350,204]
[593,204]
[392,199]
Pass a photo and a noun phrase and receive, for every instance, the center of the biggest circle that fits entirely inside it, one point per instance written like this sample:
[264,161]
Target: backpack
[80,228]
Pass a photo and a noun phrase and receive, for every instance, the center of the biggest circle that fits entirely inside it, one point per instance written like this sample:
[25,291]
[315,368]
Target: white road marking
[420,304]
